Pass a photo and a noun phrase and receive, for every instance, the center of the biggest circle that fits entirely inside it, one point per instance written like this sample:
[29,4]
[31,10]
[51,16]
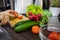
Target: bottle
[46,4]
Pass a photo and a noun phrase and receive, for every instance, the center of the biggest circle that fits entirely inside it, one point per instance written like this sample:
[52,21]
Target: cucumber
[25,26]
[22,22]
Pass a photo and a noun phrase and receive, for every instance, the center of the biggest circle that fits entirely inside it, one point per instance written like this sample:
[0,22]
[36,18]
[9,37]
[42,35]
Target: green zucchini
[25,26]
[22,22]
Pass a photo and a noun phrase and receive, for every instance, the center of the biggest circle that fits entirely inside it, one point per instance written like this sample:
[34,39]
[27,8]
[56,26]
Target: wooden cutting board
[14,21]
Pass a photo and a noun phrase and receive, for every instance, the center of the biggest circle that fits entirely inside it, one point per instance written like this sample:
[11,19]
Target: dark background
[45,4]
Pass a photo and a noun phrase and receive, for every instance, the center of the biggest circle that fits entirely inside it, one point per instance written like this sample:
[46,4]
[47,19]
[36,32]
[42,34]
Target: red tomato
[50,39]
[53,36]
[14,13]
[20,17]
[35,29]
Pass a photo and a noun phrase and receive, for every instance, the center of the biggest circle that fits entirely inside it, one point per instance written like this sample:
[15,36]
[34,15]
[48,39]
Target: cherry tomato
[20,17]
[53,36]
[15,14]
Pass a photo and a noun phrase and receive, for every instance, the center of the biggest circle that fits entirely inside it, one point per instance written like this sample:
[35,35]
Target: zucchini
[25,26]
[22,22]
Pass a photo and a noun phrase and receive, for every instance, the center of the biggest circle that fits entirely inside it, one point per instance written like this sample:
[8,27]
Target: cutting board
[16,20]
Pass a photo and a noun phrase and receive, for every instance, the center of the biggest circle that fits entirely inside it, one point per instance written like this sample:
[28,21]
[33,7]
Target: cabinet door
[1,3]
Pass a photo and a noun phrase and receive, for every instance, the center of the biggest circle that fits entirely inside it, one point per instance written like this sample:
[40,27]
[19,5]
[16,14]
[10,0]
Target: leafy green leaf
[41,24]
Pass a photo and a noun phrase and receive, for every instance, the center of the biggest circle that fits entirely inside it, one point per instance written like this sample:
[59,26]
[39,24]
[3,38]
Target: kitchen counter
[27,35]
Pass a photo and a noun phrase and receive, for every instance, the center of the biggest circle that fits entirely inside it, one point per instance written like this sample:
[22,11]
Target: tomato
[50,39]
[35,29]
[15,14]
[20,17]
[53,36]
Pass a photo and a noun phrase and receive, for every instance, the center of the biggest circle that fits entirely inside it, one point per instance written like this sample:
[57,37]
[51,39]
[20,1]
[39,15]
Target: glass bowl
[44,33]
[52,22]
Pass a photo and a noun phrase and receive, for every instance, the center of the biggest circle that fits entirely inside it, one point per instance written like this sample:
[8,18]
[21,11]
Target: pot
[54,10]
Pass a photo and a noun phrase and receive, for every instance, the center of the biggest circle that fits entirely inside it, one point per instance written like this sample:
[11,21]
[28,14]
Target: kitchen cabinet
[5,4]
[1,4]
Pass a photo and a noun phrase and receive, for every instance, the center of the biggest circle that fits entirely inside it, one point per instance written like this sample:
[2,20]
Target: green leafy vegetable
[36,10]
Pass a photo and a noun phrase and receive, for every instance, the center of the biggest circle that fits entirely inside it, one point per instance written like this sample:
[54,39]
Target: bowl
[44,33]
[52,22]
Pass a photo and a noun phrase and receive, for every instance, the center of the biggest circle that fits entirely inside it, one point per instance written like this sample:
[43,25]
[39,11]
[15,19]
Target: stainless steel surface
[52,24]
